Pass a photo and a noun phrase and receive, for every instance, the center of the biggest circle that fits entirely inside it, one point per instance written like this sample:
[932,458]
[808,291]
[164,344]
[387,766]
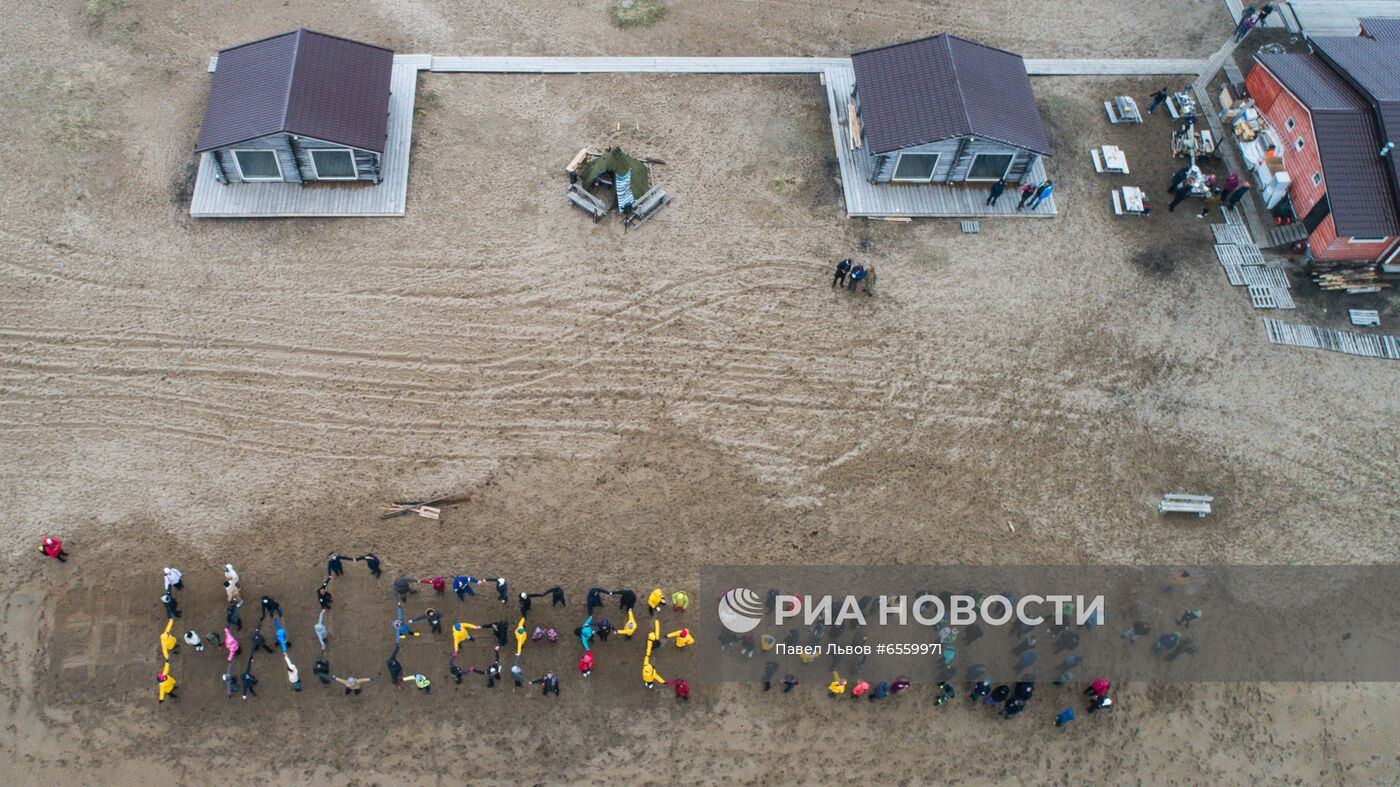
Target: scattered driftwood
[428,509]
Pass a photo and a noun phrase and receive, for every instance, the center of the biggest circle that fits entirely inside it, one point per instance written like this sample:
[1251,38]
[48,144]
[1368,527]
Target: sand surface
[626,408]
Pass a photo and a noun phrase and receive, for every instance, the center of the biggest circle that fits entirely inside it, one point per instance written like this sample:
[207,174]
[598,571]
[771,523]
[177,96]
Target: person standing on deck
[1264,14]
[997,189]
[1027,193]
[1235,195]
[1042,192]
[1246,24]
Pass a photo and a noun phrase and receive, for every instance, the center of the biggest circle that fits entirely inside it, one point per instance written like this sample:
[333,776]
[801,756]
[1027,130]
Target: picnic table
[1131,200]
[1109,158]
[1122,109]
[1181,104]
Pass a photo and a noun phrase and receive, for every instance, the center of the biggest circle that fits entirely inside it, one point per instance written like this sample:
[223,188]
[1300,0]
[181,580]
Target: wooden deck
[770,65]
[213,199]
[864,198]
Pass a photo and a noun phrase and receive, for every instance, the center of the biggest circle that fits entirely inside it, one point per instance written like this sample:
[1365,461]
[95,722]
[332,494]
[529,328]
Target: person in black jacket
[842,268]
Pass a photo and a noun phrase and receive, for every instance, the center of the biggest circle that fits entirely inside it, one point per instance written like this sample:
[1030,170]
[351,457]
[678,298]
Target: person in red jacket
[53,548]
[682,689]
[585,664]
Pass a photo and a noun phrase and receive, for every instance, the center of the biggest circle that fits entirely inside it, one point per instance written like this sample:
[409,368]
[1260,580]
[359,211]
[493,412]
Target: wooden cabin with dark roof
[300,107]
[947,110]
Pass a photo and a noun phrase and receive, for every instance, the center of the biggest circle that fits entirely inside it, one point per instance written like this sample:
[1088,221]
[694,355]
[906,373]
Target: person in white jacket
[174,579]
[293,676]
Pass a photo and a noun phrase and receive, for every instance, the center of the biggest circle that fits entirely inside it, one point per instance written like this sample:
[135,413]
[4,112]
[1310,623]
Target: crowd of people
[403,628]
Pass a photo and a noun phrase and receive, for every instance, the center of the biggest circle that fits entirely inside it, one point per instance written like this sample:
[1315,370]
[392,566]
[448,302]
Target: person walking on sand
[322,633]
[1188,616]
[249,681]
[333,565]
[421,681]
[682,689]
[656,599]
[461,632]
[1042,193]
[271,607]
[173,578]
[1208,204]
[998,189]
[168,642]
[259,641]
[172,609]
[1064,717]
[548,683]
[372,562]
[790,682]
[629,628]
[293,676]
[1027,194]
[1183,190]
[585,664]
[395,668]
[842,268]
[323,596]
[462,586]
[869,284]
[1158,99]
[232,618]
[402,587]
[165,683]
[52,547]
[1178,178]
[230,644]
[626,599]
[192,639]
[322,669]
[857,276]
[280,635]
[837,686]
[352,684]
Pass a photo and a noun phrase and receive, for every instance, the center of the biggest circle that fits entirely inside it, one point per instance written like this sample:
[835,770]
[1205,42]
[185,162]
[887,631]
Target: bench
[1117,203]
[1173,503]
[1098,162]
[649,205]
[1364,317]
[590,204]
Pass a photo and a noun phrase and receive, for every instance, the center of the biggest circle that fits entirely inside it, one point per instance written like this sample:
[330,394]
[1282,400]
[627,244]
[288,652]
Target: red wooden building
[1332,112]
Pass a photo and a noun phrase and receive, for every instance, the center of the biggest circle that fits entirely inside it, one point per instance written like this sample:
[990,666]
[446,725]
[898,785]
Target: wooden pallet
[1266,276]
[971,227]
[1261,297]
[1252,255]
[1185,504]
[1232,215]
[1232,261]
[1367,318]
[1231,233]
[1349,342]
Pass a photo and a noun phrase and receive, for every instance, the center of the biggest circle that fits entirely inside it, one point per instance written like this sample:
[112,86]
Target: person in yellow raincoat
[656,600]
[631,627]
[649,675]
[167,640]
[837,686]
[520,636]
[461,632]
[165,682]
[682,637]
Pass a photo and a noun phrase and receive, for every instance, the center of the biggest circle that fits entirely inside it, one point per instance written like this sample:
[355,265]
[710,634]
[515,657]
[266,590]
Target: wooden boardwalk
[770,65]
[864,198]
[213,199]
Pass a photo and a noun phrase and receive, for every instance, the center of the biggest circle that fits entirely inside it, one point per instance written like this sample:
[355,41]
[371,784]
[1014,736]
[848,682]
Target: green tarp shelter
[617,162]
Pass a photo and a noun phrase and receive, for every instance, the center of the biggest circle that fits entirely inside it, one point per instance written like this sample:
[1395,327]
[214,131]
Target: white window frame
[239,165]
[1367,240]
[1317,179]
[1289,124]
[1009,164]
[1299,143]
[937,157]
[311,154]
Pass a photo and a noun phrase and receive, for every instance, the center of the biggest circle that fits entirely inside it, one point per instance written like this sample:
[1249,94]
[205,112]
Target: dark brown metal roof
[1358,180]
[304,83]
[1372,66]
[1381,28]
[943,87]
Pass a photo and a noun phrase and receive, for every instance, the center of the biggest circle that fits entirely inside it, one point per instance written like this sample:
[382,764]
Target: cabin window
[334,164]
[917,167]
[1290,124]
[1299,144]
[1317,178]
[258,165]
[990,166]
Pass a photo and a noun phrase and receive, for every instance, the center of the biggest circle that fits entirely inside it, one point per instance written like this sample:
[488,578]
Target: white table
[1133,199]
[1114,159]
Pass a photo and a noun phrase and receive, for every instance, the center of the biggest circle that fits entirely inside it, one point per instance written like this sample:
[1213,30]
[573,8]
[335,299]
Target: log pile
[1350,277]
